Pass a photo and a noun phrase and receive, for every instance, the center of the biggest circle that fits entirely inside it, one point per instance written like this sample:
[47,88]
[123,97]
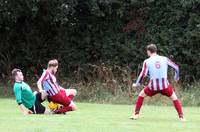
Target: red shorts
[167,92]
[61,98]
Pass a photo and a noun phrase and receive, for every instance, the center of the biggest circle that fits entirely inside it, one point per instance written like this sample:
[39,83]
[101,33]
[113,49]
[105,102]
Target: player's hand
[41,90]
[28,112]
[134,85]
[176,81]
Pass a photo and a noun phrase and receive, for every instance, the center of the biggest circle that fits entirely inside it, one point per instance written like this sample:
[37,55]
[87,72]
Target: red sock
[138,104]
[178,107]
[64,109]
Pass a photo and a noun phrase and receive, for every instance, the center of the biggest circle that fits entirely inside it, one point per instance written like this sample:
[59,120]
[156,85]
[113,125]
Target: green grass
[99,118]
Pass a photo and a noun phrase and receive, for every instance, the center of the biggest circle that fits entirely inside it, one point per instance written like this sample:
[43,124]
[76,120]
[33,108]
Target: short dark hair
[14,72]
[152,48]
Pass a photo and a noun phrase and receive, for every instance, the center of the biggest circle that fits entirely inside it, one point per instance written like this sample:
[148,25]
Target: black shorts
[38,108]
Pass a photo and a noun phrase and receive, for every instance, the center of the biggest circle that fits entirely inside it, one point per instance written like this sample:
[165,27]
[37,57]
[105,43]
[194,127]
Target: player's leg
[139,102]
[177,106]
[145,92]
[71,93]
[73,106]
[65,101]
[43,94]
[66,108]
[48,112]
[170,93]
[38,107]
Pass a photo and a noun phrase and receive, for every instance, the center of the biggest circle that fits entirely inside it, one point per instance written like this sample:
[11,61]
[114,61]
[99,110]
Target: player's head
[151,49]
[53,66]
[17,75]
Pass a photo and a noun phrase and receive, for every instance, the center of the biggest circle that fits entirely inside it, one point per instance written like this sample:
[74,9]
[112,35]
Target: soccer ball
[53,106]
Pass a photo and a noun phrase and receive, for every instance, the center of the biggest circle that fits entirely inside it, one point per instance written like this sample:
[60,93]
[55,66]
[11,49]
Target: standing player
[29,103]
[157,67]
[56,93]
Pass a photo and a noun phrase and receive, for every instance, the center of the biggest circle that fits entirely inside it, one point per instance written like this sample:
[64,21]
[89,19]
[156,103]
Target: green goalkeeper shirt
[24,94]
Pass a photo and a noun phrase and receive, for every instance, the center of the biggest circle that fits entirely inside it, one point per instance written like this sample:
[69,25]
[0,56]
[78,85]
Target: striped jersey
[49,83]
[157,67]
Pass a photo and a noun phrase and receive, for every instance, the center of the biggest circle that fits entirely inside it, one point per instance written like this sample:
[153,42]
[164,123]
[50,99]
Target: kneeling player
[56,93]
[29,102]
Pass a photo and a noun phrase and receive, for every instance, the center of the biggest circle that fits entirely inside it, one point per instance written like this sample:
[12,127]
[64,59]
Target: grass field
[99,118]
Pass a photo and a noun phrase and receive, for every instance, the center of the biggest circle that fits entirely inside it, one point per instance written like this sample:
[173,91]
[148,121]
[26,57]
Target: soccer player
[157,67]
[29,102]
[56,93]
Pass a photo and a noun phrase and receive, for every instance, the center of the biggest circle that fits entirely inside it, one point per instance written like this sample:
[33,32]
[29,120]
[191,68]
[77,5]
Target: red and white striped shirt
[157,67]
[49,83]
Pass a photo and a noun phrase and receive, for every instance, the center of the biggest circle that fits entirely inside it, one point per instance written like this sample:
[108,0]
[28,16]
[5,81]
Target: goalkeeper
[29,102]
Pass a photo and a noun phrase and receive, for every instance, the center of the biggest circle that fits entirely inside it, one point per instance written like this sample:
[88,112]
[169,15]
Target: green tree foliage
[95,31]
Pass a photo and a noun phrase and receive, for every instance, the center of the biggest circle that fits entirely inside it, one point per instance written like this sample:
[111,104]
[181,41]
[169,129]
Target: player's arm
[142,75]
[39,85]
[24,110]
[175,67]
[42,78]
[18,96]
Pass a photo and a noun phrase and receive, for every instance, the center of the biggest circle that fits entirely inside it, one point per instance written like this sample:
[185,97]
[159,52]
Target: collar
[19,82]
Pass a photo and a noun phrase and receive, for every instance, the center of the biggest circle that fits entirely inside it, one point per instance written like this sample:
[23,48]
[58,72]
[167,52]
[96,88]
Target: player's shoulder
[17,86]
[147,60]
[25,84]
[155,58]
[45,72]
[163,57]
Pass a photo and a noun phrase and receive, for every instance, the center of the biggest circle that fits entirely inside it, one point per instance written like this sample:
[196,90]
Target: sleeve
[43,77]
[175,67]
[143,74]
[18,94]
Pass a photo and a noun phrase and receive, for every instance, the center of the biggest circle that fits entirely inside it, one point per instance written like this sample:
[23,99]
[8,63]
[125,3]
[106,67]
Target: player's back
[157,67]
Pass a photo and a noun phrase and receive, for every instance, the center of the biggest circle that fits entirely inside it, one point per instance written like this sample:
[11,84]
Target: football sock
[63,109]
[178,107]
[138,104]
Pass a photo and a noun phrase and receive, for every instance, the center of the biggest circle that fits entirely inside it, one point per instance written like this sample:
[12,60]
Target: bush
[114,32]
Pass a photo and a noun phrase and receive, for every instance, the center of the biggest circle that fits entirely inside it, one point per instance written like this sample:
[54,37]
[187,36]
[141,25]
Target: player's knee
[173,97]
[73,92]
[74,107]
[142,93]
